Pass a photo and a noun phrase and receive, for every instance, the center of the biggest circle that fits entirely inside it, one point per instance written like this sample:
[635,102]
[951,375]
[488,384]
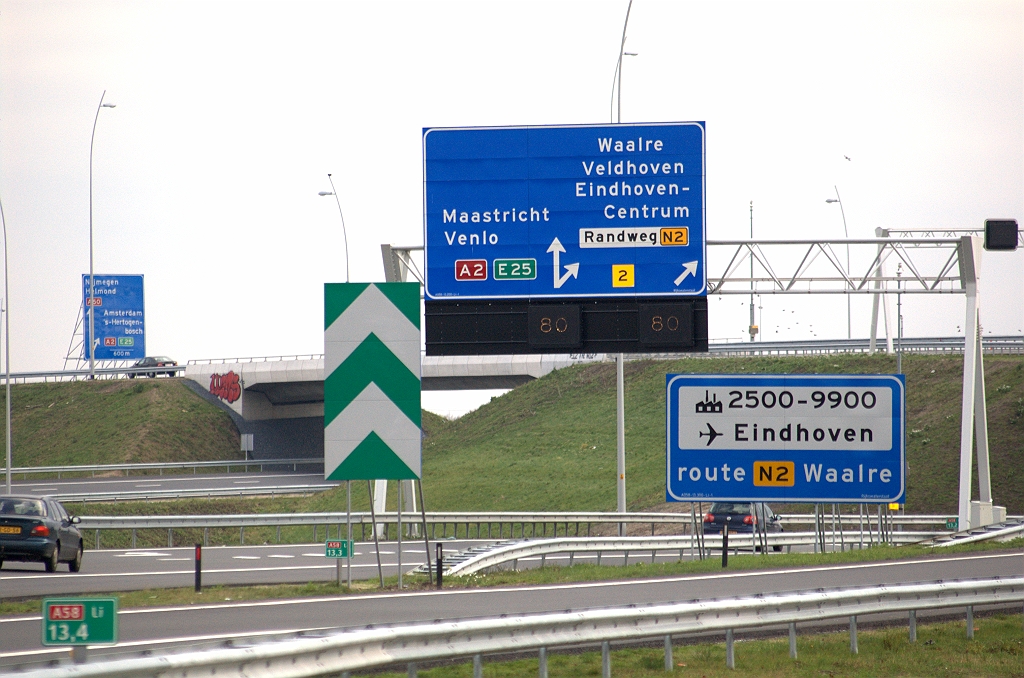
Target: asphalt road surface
[132,485]
[196,625]
[135,569]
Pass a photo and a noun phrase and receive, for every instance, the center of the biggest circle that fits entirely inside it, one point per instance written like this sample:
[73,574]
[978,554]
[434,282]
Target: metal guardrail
[101,373]
[481,520]
[460,518]
[991,345]
[409,643]
[853,520]
[490,525]
[160,467]
[257,359]
[510,553]
[1008,344]
[165,495]
[1003,531]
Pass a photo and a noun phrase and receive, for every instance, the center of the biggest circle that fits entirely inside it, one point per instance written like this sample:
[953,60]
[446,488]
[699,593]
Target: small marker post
[199,568]
[725,542]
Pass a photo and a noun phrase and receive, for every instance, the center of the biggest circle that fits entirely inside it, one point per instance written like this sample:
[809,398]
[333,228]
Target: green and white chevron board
[372,381]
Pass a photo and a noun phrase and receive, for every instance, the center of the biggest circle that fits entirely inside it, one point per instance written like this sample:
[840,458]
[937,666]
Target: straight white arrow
[570,269]
[689,268]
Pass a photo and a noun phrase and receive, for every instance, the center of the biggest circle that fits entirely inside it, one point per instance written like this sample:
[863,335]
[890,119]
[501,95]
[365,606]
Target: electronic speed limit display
[791,438]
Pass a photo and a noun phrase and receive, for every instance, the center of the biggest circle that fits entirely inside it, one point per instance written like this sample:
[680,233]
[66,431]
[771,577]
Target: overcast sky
[230,115]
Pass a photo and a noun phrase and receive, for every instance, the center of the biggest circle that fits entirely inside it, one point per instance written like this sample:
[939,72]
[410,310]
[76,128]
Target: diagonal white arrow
[570,269]
[689,268]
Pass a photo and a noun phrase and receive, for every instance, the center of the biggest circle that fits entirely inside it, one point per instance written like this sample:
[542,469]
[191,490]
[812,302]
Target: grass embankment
[550,444]
[941,650]
[547,445]
[116,422]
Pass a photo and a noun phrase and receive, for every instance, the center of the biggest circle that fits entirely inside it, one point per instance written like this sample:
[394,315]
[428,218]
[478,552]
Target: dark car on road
[741,517]
[38,529]
[155,361]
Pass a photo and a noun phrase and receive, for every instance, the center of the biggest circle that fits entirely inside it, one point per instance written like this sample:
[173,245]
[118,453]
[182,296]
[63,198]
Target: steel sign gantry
[948,264]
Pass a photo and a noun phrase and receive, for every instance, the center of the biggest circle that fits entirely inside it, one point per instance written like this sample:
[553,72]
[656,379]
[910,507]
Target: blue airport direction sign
[119,308]
[568,211]
[787,438]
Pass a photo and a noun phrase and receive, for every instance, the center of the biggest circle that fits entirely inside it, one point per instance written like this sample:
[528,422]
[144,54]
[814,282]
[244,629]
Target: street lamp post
[344,234]
[7,352]
[620,396]
[92,322]
[846,232]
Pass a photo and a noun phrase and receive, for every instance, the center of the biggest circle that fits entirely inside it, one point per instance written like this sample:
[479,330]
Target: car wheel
[131,376]
[51,562]
[152,375]
[1,564]
[777,549]
[76,564]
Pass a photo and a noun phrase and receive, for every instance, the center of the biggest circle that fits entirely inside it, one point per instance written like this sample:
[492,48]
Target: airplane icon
[711,434]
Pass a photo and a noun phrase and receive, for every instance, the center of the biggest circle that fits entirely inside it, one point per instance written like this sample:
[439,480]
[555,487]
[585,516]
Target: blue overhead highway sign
[612,211]
[788,438]
[119,306]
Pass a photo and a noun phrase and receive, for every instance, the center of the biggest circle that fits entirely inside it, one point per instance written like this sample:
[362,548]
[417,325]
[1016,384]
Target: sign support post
[620,425]
[399,526]
[973,417]
[348,527]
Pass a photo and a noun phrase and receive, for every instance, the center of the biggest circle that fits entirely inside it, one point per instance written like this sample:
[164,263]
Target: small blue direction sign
[787,438]
[564,211]
[119,308]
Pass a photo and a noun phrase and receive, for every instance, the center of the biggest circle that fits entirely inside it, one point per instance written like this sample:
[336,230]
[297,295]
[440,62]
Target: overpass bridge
[279,400]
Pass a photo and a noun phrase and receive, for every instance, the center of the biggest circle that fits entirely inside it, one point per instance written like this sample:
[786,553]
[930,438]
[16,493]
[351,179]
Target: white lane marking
[167,560]
[149,486]
[44,489]
[226,570]
[163,641]
[463,592]
[246,482]
[141,554]
[280,555]
[245,557]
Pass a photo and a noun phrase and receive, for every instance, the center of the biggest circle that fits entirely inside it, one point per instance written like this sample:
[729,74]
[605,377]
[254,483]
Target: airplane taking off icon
[711,434]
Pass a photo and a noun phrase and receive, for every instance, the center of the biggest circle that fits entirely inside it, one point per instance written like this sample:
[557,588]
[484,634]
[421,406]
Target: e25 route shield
[786,438]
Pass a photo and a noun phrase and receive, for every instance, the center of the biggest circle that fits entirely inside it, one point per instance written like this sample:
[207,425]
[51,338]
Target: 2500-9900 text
[784,399]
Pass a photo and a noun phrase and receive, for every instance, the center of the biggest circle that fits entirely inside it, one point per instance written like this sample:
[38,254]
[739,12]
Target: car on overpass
[155,361]
[39,529]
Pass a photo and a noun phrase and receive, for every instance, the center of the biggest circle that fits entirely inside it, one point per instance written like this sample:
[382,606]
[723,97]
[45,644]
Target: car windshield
[21,507]
[730,509]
